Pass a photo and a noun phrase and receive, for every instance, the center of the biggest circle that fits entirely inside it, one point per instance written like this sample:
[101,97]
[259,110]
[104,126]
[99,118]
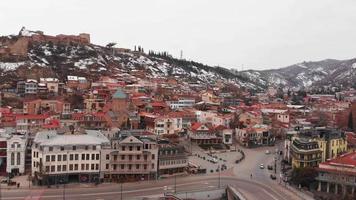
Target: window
[97,156]
[75,166]
[59,158]
[71,167]
[74,148]
[18,158]
[64,157]
[76,157]
[145,157]
[47,168]
[123,148]
[83,156]
[62,148]
[13,158]
[86,147]
[114,167]
[107,157]
[53,168]
[122,157]
[92,156]
[92,166]
[50,148]
[130,148]
[130,166]
[130,157]
[138,148]
[96,166]
[138,157]
[94,147]
[48,158]
[107,166]
[64,167]
[71,157]
[53,158]
[153,166]
[122,166]
[86,166]
[145,166]
[88,156]
[137,166]
[153,156]
[82,167]
[59,168]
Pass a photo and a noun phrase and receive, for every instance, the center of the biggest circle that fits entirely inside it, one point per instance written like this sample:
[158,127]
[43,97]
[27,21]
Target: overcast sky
[258,34]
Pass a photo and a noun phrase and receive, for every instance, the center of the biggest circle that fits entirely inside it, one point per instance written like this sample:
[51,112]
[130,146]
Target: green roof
[119,94]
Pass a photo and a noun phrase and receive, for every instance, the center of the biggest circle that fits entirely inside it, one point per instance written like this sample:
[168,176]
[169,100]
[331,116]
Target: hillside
[31,54]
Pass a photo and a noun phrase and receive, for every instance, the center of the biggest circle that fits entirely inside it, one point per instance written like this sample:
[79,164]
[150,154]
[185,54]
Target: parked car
[270,167]
[273,177]
[262,166]
[268,152]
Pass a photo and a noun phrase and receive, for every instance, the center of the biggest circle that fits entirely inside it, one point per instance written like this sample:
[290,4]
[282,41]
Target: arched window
[12,159]
[18,158]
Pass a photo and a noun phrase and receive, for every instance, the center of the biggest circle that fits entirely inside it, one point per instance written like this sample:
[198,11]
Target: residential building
[203,134]
[59,157]
[172,160]
[181,103]
[131,157]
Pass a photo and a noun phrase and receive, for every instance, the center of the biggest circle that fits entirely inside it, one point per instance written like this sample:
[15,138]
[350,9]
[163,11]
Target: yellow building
[315,146]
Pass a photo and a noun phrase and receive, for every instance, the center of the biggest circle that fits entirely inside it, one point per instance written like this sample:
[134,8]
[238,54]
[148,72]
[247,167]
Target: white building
[16,150]
[181,103]
[167,125]
[59,157]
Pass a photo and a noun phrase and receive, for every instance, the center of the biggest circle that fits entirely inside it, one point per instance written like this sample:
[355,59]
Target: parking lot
[212,161]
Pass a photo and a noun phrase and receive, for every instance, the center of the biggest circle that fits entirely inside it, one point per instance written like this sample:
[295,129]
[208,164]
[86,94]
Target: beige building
[130,158]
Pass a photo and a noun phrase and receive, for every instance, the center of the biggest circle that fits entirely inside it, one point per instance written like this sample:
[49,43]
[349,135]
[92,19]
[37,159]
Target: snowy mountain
[306,74]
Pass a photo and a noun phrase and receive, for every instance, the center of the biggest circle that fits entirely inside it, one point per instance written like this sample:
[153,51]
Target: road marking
[271,195]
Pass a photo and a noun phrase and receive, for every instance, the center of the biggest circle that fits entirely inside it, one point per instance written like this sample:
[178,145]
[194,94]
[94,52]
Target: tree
[350,124]
[110,45]
[304,176]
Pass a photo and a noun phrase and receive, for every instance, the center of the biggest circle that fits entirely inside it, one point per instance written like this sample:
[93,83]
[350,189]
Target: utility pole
[219,175]
[121,191]
[64,191]
[175,184]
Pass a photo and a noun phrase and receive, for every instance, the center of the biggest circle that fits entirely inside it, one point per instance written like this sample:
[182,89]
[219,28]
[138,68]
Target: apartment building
[172,160]
[181,103]
[74,156]
[131,157]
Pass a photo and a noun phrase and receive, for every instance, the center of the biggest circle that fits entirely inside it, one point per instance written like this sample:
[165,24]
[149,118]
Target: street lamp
[219,175]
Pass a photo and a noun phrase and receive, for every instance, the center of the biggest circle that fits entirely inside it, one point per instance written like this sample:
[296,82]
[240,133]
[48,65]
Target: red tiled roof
[345,159]
[158,104]
[196,125]
[31,116]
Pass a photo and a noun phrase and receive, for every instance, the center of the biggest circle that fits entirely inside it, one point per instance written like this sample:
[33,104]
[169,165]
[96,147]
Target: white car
[268,152]
[262,166]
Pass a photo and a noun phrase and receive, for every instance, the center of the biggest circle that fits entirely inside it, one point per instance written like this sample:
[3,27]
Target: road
[259,187]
